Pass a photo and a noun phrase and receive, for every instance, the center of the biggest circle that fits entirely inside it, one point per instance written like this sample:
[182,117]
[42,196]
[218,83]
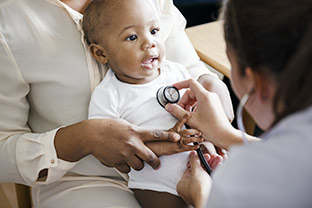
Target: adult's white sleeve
[178,46]
[23,154]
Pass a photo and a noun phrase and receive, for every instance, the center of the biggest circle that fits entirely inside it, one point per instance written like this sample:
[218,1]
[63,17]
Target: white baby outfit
[138,105]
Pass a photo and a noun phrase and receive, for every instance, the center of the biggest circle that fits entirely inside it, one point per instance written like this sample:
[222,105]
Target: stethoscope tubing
[201,156]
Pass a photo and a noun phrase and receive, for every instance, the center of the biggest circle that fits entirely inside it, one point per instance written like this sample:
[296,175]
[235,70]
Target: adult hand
[187,136]
[114,142]
[208,116]
[195,184]
[216,85]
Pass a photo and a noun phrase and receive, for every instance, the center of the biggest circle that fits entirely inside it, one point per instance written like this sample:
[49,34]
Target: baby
[126,35]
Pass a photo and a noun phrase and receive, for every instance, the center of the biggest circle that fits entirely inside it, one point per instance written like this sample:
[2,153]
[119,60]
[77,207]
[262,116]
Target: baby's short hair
[95,19]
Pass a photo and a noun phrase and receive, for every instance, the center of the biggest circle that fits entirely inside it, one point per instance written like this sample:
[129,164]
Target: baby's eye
[132,37]
[155,31]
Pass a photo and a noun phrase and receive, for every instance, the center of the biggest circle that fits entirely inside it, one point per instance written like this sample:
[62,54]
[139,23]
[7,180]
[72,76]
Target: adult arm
[209,116]
[23,153]
[125,141]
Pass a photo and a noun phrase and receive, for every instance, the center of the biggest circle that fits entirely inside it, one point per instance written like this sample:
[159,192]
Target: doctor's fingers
[187,100]
[215,161]
[194,163]
[176,111]
[197,89]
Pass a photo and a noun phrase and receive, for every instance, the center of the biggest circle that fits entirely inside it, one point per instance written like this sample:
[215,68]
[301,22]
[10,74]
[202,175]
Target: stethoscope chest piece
[167,94]
[170,94]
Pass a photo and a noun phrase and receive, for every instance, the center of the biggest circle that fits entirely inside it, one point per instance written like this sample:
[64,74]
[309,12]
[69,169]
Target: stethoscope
[170,94]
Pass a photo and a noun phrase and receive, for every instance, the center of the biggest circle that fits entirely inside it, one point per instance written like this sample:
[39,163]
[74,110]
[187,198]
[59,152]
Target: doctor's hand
[195,184]
[208,116]
[114,142]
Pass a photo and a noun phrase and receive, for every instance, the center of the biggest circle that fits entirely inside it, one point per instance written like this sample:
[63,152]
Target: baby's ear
[98,53]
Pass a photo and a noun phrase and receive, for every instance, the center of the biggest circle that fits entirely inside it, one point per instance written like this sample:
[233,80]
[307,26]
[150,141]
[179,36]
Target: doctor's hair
[96,19]
[274,37]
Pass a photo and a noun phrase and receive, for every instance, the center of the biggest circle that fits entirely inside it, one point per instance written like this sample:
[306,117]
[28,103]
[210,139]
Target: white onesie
[138,105]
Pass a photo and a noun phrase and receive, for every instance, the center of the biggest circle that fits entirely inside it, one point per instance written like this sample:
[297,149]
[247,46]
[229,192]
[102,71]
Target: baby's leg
[154,199]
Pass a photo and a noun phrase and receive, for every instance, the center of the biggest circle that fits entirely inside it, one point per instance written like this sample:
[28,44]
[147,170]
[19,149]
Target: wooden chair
[23,195]
[208,41]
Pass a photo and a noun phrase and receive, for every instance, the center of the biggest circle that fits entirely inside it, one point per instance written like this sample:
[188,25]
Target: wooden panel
[208,41]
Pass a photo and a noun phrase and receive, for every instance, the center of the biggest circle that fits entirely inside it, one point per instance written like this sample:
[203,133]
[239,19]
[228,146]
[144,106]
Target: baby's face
[133,46]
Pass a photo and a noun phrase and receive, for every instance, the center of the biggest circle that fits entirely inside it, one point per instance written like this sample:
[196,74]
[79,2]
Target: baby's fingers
[180,123]
[189,132]
[184,148]
[191,139]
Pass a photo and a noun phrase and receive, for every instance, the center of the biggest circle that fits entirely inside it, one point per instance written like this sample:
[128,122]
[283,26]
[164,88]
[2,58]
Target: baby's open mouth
[149,62]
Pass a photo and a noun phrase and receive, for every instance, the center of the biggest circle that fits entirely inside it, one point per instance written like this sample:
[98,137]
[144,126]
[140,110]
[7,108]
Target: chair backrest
[23,195]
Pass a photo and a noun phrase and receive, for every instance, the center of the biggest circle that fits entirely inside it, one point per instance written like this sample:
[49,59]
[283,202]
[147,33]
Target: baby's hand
[187,136]
[192,135]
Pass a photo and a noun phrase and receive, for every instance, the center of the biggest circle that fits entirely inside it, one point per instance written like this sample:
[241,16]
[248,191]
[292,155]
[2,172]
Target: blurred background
[198,11]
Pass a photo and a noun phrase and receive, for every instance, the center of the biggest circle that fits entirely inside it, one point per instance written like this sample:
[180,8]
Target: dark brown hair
[274,36]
